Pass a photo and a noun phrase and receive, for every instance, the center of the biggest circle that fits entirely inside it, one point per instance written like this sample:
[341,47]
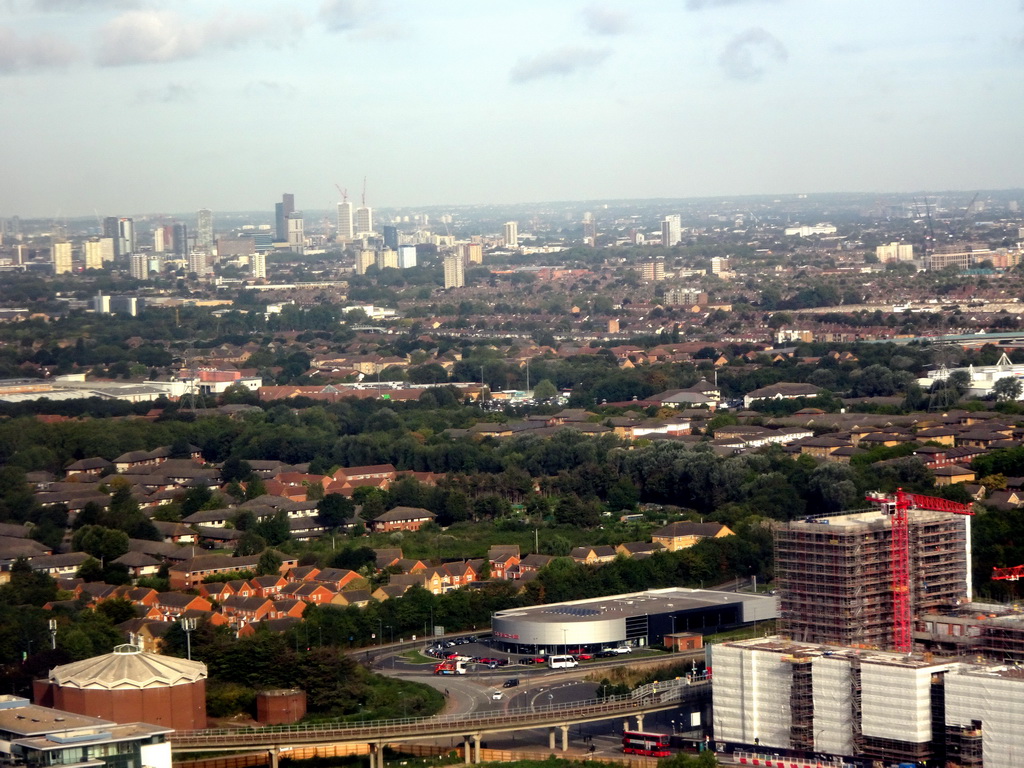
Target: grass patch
[763,629]
[415,657]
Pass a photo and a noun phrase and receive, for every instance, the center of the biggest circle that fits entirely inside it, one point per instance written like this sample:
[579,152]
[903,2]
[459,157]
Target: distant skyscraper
[204,229]
[589,229]
[296,232]
[281,213]
[653,269]
[346,232]
[61,251]
[181,248]
[258,265]
[391,237]
[406,256]
[110,227]
[159,246]
[138,266]
[671,230]
[125,243]
[511,234]
[454,271]
[364,220]
[199,262]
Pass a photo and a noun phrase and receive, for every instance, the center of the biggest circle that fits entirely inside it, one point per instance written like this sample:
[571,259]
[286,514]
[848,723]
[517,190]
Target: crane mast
[897,506]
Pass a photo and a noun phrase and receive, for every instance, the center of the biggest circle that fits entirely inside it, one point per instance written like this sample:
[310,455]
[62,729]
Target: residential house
[359,598]
[501,557]
[191,572]
[680,535]
[307,591]
[402,519]
[953,474]
[268,586]
[603,553]
[174,604]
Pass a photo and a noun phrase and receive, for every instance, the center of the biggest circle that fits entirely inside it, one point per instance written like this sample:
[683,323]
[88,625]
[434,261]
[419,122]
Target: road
[473,693]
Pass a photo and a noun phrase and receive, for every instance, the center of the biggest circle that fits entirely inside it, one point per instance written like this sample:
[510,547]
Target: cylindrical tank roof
[128,667]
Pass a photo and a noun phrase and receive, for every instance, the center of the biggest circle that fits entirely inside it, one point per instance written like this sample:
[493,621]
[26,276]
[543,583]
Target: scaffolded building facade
[835,574]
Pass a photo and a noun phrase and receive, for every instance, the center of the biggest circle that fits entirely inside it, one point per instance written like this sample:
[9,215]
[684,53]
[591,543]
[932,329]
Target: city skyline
[124,106]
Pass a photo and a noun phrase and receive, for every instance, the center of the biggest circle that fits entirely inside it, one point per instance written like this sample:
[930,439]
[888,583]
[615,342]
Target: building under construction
[835,574]
[807,699]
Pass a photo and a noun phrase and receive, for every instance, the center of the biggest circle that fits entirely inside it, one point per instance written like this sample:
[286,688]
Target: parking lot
[473,650]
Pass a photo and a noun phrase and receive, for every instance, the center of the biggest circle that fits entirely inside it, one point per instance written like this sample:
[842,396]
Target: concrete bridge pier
[477,737]
[466,752]
[275,754]
[639,723]
[565,737]
[376,754]
[551,738]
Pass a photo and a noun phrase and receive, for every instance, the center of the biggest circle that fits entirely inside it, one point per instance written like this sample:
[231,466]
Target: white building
[364,221]
[346,232]
[454,271]
[258,265]
[387,258]
[982,377]
[138,266]
[406,256]
[511,234]
[818,229]
[671,230]
[61,252]
[365,259]
[98,252]
[774,694]
[894,252]
[296,233]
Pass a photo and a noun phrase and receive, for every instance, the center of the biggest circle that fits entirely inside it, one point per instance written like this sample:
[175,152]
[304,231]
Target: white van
[562,662]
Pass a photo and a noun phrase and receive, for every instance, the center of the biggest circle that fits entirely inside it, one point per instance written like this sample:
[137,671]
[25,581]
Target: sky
[122,107]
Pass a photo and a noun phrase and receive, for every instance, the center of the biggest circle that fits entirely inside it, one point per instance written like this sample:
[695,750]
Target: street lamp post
[380,631]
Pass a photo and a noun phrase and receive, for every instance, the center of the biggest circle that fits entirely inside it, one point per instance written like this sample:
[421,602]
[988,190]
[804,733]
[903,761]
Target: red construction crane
[897,506]
[1013,573]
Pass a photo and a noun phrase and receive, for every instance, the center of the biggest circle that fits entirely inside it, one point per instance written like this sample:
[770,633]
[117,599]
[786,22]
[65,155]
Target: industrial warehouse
[631,620]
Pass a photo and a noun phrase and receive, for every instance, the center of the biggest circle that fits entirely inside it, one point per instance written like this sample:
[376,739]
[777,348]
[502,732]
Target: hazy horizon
[121,106]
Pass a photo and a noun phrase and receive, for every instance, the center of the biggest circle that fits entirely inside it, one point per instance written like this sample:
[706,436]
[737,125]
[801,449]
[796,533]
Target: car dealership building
[636,619]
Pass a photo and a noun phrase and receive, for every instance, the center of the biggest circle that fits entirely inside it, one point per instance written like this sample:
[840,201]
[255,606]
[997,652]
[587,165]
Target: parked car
[583,656]
[527,660]
[512,682]
[604,654]
[621,649]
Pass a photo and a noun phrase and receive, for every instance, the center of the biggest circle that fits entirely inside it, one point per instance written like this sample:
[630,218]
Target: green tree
[269,564]
[334,508]
[105,544]
[1007,389]
[545,390]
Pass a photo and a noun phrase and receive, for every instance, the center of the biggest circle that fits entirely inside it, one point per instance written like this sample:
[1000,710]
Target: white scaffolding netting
[896,702]
[997,701]
[833,706]
[751,697]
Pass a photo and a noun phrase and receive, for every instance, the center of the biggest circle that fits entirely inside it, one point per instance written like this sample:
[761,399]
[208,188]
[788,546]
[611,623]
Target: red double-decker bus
[646,743]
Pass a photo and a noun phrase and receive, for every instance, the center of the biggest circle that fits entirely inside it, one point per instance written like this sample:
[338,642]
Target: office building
[473,253]
[390,237]
[671,230]
[32,735]
[127,305]
[101,304]
[232,247]
[406,256]
[258,265]
[125,242]
[511,234]
[454,271]
[364,221]
[387,258]
[138,266]
[834,574]
[346,224]
[159,241]
[805,231]
[110,229]
[282,211]
[204,229]
[296,233]
[365,259]
[180,235]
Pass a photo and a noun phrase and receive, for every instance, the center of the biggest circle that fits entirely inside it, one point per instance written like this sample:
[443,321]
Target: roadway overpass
[653,697]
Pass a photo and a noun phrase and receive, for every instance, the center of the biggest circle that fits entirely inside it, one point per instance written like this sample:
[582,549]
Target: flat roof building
[634,619]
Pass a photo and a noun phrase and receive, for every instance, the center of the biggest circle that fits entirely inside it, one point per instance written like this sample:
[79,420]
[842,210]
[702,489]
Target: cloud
[700,5]
[26,54]
[270,88]
[172,93]
[602,20]
[346,15]
[747,56]
[83,6]
[563,61]
[151,36]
